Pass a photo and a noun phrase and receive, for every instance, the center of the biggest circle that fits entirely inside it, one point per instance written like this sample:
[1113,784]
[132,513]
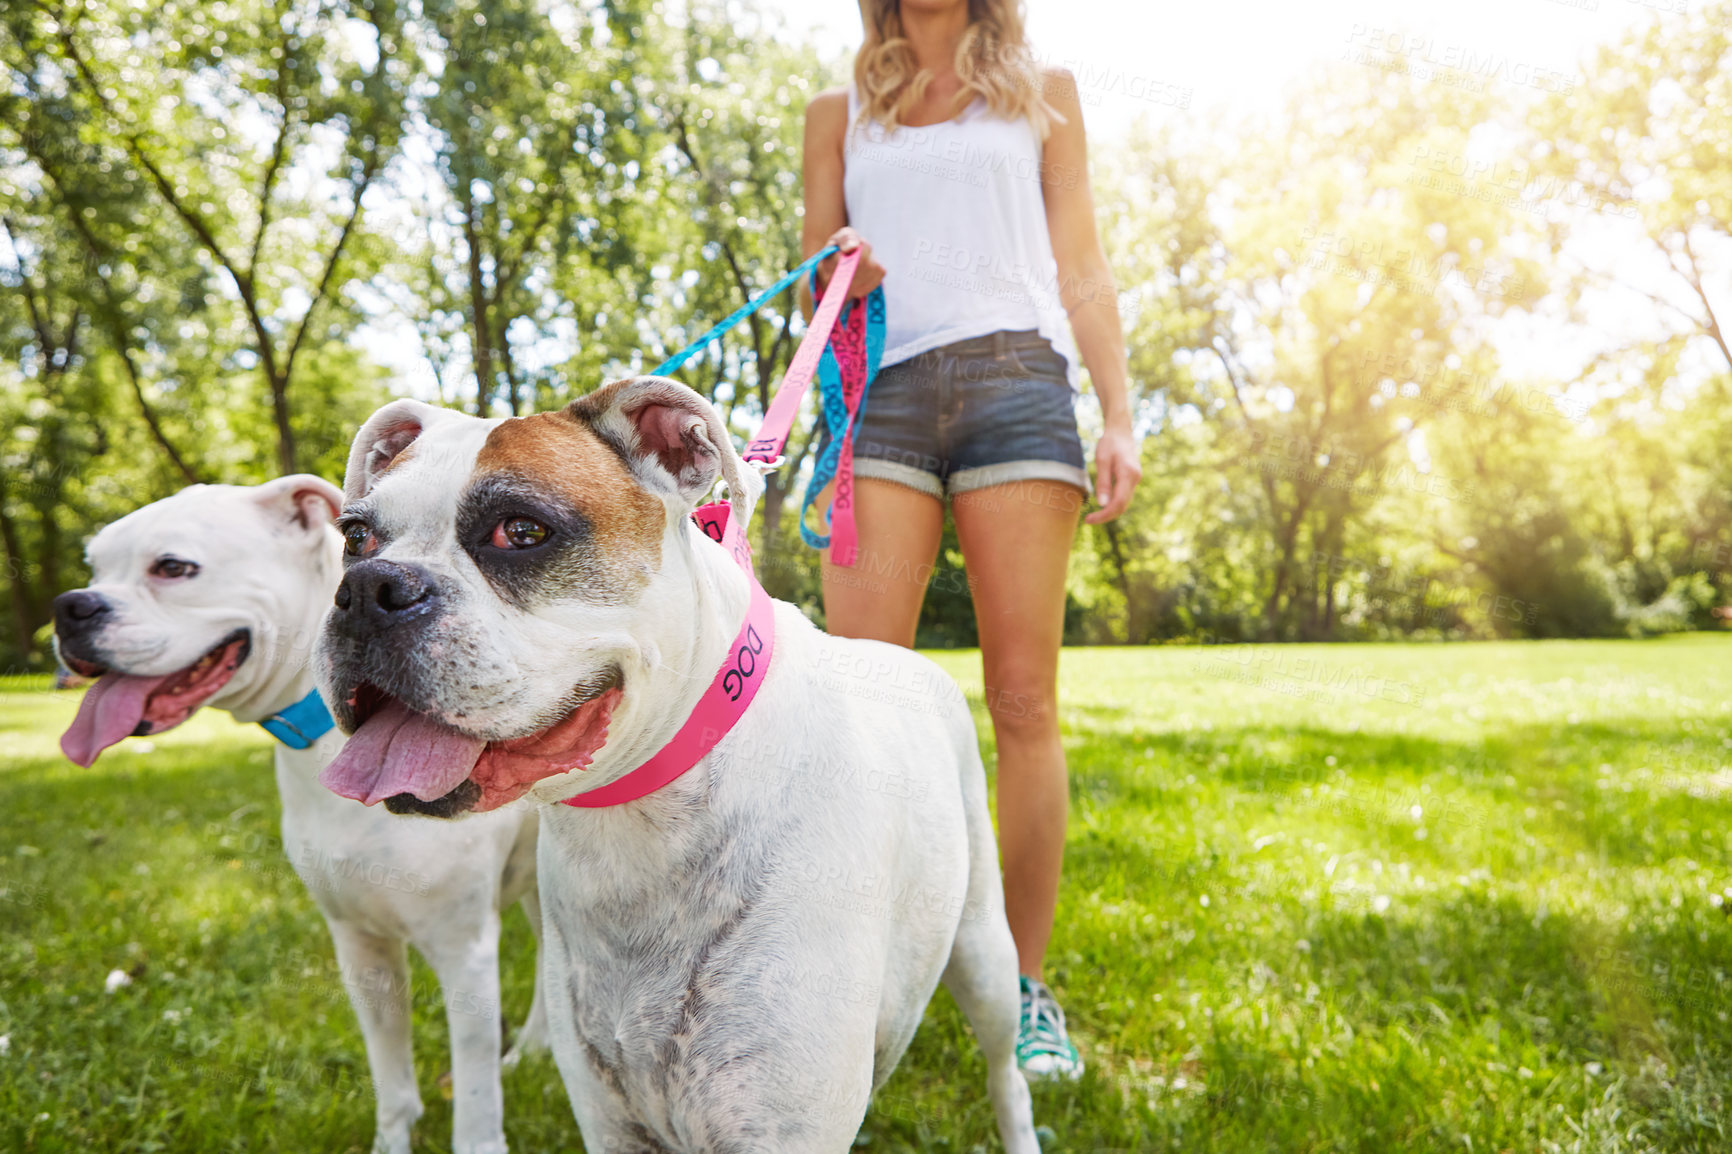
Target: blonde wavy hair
[993,61]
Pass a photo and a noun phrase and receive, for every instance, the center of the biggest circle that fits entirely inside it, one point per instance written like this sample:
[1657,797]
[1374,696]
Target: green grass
[1369,898]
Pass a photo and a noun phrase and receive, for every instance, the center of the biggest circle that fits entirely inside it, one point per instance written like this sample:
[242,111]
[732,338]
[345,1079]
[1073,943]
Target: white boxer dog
[736,960]
[212,597]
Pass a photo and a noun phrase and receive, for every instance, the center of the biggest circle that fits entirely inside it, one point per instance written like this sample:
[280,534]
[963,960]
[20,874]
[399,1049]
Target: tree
[537,131]
[1321,293]
[276,211]
[1650,143]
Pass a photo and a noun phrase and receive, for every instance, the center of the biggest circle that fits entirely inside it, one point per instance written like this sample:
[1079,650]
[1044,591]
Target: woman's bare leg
[1016,539]
[879,597]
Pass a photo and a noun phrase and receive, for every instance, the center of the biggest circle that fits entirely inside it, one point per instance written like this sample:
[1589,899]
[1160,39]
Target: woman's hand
[1117,471]
[867,275]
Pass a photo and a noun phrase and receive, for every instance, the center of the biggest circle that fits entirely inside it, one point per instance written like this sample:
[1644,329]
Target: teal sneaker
[1043,1049]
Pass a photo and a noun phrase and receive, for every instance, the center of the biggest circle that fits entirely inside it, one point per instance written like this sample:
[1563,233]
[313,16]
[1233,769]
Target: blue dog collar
[302,723]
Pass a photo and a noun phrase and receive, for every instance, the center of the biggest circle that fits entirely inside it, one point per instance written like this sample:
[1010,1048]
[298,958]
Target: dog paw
[489,1146]
[391,1129]
[392,1141]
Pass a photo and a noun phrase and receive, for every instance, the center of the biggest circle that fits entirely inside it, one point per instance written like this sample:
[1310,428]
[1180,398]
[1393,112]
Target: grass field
[1379,898]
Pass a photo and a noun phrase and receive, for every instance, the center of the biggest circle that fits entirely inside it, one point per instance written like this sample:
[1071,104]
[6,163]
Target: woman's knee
[1023,706]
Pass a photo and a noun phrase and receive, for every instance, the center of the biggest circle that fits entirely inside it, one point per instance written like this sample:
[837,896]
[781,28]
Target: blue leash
[744,311]
[834,407]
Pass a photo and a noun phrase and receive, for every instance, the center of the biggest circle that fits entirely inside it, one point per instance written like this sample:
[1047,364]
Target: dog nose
[385,592]
[78,612]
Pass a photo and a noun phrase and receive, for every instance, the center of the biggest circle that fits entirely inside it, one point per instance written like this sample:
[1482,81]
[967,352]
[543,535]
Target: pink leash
[737,681]
[765,449]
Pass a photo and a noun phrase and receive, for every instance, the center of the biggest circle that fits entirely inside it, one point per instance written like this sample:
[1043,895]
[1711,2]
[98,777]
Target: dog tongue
[400,751]
[110,711]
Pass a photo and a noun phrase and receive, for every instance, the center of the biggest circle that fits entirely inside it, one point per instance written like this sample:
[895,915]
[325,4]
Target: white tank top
[954,213]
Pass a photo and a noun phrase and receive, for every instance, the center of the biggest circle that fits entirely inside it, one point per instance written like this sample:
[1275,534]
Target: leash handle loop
[778,421]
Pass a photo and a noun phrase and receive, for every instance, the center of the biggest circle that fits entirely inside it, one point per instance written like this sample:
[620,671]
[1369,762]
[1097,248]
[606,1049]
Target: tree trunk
[285,431]
[477,302]
[1132,624]
[1337,532]
[49,565]
[510,370]
[17,586]
[772,514]
[1288,542]
[1329,609]
[1272,609]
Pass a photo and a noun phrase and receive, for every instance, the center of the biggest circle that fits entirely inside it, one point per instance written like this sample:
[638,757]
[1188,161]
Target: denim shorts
[989,410]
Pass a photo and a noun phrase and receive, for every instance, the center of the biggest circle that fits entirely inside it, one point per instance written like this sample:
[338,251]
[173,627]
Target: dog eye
[172,567]
[519,533]
[357,539]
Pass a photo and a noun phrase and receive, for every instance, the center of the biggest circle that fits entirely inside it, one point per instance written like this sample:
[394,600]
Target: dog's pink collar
[725,701]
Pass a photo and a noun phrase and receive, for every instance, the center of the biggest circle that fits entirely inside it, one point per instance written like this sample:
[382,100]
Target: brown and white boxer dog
[736,960]
[212,597]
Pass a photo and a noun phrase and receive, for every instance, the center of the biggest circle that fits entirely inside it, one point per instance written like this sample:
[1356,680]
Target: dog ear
[381,442]
[673,440]
[307,501]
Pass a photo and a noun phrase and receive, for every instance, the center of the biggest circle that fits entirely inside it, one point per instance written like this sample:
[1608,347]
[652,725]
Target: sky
[1164,59]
